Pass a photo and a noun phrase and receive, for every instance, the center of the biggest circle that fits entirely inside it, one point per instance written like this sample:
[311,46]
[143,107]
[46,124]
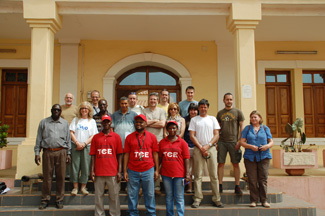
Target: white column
[109,92]
[242,23]
[184,82]
[44,22]
[226,71]
[69,68]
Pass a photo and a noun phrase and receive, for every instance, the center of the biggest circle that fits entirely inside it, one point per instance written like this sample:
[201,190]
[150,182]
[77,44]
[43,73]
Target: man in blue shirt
[183,105]
[123,120]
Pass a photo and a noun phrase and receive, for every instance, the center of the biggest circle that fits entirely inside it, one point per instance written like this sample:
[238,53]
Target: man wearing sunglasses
[204,133]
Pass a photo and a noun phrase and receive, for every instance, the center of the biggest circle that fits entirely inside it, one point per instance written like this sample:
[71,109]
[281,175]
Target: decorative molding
[53,24]
[233,25]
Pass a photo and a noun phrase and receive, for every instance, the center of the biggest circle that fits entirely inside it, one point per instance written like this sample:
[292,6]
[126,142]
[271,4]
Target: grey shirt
[53,134]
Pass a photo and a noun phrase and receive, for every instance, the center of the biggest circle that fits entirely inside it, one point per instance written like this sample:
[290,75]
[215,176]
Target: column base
[25,159]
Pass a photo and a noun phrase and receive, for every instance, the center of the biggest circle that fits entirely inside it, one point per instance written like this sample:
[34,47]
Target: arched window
[144,80]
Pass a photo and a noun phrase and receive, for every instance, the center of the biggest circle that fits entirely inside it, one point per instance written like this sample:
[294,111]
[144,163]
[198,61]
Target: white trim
[137,60]
[303,64]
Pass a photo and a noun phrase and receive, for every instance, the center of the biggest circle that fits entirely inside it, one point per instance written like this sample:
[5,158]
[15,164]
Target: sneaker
[253,204]
[74,192]
[43,205]
[238,190]
[196,204]
[84,191]
[218,204]
[59,205]
[266,205]
[220,188]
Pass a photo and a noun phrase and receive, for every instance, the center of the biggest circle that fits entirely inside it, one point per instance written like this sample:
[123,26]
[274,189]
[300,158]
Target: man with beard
[232,123]
[69,111]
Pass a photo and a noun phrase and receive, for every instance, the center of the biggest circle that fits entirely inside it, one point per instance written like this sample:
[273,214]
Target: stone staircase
[16,204]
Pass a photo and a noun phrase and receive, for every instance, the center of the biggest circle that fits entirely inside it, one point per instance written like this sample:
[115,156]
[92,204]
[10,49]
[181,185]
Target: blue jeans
[174,188]
[148,189]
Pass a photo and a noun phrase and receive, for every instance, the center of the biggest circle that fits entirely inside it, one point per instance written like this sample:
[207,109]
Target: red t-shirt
[173,155]
[106,148]
[141,161]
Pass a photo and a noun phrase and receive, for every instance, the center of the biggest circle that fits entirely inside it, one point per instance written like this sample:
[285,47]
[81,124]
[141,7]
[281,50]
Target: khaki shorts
[224,147]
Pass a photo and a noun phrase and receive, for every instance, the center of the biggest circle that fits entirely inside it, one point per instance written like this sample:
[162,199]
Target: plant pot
[5,159]
[307,150]
[295,172]
[294,163]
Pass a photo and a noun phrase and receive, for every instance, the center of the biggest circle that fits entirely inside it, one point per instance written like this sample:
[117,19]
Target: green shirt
[229,123]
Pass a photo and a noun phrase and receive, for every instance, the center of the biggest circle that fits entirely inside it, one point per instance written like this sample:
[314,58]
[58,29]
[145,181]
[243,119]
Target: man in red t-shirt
[141,164]
[106,166]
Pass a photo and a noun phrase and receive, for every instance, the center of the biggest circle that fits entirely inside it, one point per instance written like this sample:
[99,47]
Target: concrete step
[228,184]
[14,198]
[204,210]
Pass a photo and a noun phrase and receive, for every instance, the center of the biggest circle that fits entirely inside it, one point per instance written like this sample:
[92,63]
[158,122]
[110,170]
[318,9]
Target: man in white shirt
[204,133]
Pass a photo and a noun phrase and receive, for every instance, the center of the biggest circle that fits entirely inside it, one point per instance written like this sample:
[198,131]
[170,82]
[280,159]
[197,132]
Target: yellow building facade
[216,46]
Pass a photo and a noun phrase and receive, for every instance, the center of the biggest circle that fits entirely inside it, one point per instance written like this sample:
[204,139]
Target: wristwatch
[210,144]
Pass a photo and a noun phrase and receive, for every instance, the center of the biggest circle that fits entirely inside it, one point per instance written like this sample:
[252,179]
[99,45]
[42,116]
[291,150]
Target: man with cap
[141,164]
[106,166]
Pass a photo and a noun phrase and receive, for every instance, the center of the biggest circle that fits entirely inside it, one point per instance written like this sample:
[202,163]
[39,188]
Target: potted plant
[295,136]
[5,155]
[291,158]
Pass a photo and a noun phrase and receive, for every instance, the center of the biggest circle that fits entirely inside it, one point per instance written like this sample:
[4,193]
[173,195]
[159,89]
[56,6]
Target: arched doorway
[144,80]
[139,60]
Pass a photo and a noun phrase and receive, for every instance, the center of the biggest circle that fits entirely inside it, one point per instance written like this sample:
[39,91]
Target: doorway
[314,103]
[278,101]
[14,101]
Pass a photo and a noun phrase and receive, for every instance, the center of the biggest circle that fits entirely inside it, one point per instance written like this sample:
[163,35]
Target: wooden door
[314,103]
[278,102]
[14,101]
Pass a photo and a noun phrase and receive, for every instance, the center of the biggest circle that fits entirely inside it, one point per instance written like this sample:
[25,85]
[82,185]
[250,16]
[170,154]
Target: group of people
[141,145]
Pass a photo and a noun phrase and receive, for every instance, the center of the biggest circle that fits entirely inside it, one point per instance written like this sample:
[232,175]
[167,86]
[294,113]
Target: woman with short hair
[82,129]
[256,138]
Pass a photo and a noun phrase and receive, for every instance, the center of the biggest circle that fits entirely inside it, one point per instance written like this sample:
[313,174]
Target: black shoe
[59,205]
[220,188]
[43,205]
[218,204]
[238,190]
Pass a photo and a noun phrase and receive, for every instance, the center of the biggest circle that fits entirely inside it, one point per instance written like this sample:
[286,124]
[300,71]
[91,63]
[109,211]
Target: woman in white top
[173,115]
[82,129]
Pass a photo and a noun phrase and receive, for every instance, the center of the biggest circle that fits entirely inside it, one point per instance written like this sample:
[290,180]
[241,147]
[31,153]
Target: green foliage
[295,136]
[3,135]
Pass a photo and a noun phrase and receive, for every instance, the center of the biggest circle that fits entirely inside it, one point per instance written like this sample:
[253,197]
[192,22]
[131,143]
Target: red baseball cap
[106,117]
[171,122]
[143,117]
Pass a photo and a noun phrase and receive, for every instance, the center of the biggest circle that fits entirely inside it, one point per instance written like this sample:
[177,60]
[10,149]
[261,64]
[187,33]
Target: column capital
[233,25]
[244,15]
[42,14]
[53,24]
